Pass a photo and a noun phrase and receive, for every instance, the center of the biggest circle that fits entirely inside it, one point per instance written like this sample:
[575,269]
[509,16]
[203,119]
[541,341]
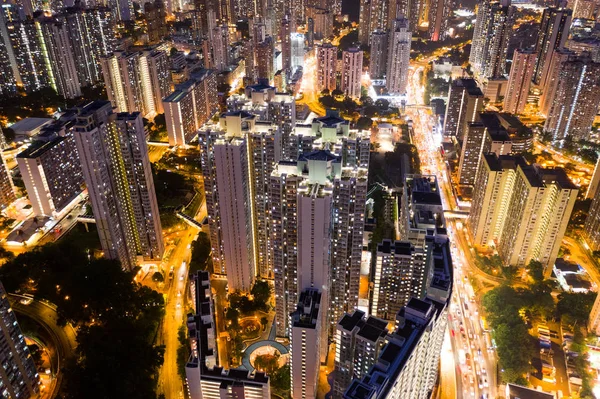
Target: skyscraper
[379,52]
[264,59]
[21,57]
[59,56]
[18,376]
[286,45]
[493,29]
[326,66]
[92,34]
[519,81]
[155,14]
[575,101]
[7,189]
[524,208]
[307,347]
[484,136]
[190,106]
[352,72]
[358,342]
[51,171]
[407,366]
[398,56]
[137,81]
[400,274]
[465,101]
[321,189]
[553,34]
[592,224]
[237,157]
[553,78]
[439,13]
[114,159]
[373,16]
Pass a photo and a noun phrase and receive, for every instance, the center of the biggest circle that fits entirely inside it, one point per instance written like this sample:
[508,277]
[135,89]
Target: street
[176,303]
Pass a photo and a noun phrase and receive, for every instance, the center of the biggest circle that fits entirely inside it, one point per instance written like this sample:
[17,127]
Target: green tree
[280,380]
[261,291]
[536,271]
[575,308]
[201,250]
[233,316]
[158,277]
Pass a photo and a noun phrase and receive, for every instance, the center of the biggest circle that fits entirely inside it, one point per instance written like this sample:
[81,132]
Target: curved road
[64,337]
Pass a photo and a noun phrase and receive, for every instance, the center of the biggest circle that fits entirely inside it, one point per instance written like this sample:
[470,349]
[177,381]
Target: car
[181,278]
[178,305]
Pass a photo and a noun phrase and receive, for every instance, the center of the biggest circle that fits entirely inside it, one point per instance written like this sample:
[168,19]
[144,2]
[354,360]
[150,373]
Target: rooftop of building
[319,155]
[518,392]
[470,86]
[398,247]
[373,329]
[39,147]
[30,124]
[307,311]
[351,320]
[331,119]
[566,267]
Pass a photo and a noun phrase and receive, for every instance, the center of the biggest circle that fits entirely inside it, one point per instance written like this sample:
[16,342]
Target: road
[475,375]
[177,304]
[64,338]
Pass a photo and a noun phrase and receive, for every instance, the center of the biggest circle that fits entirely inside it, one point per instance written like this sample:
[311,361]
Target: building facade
[399,41]
[114,159]
[18,376]
[352,61]
[519,81]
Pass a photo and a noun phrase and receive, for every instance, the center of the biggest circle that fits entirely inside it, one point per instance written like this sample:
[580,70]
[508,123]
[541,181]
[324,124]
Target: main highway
[474,358]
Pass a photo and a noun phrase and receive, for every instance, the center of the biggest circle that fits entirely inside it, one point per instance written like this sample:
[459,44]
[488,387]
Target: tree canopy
[116,318]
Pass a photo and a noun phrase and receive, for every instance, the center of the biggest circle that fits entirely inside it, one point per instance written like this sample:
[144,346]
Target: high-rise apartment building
[373,16]
[22,58]
[18,376]
[553,34]
[237,157]
[61,51]
[265,59]
[297,50]
[59,56]
[379,53]
[358,342]
[323,23]
[524,208]
[91,31]
[519,81]
[493,29]
[584,9]
[191,104]
[324,189]
[399,41]
[421,212]
[400,274]
[114,159]
[156,23]
[352,60]
[592,189]
[592,224]
[489,207]
[205,378]
[559,57]
[486,135]
[465,101]
[7,189]
[326,66]
[220,47]
[439,14]
[408,365]
[51,171]
[307,345]
[575,101]
[286,45]
[137,81]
